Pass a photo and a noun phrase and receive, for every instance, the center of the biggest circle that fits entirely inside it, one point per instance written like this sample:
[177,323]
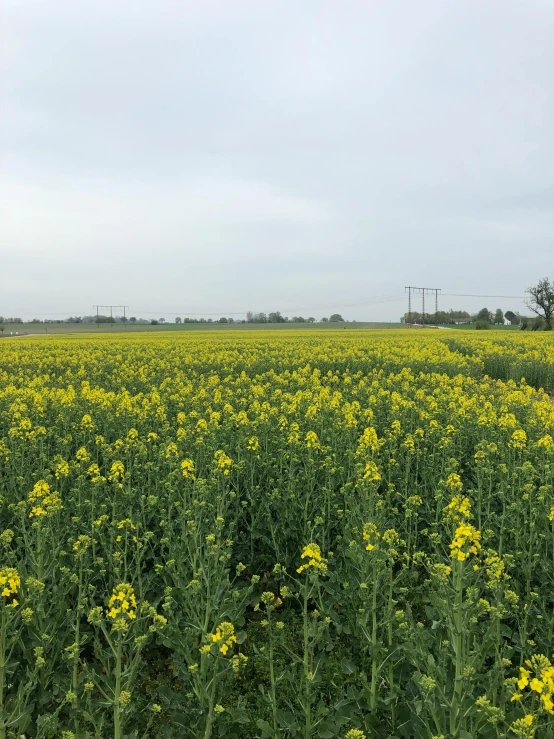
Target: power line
[346,304]
[468,295]
[353,303]
[421,291]
[111,307]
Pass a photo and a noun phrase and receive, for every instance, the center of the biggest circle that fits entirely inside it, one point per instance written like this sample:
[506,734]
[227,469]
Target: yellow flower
[523,681]
[82,543]
[454,483]
[370,535]
[117,472]
[87,422]
[187,468]
[95,475]
[10,583]
[253,444]
[518,440]
[466,541]
[223,462]
[459,508]
[316,562]
[312,442]
[62,470]
[122,603]
[43,501]
[223,636]
[371,472]
[126,524]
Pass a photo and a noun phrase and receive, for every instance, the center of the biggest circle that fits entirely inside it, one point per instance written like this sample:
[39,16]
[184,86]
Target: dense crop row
[277,536]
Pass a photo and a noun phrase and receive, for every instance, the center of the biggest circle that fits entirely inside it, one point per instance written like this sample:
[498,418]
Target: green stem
[2,668]
[272,673]
[117,693]
[458,637]
[389,639]
[210,718]
[373,698]
[307,676]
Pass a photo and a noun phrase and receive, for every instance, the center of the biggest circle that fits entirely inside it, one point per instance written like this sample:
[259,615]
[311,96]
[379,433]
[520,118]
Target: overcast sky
[296,155]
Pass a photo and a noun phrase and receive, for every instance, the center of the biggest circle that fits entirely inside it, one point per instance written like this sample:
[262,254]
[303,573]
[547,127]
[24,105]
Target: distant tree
[538,324]
[512,317]
[324,319]
[483,315]
[249,316]
[123,319]
[223,320]
[523,323]
[161,320]
[275,317]
[178,320]
[311,319]
[298,319]
[230,320]
[499,316]
[2,328]
[336,318]
[154,322]
[480,325]
[442,317]
[541,301]
[133,319]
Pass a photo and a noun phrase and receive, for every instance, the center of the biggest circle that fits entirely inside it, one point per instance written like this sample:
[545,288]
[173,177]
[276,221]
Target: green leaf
[265,728]
[348,667]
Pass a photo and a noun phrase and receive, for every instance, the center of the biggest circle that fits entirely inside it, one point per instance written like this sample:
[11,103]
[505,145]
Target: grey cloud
[219,156]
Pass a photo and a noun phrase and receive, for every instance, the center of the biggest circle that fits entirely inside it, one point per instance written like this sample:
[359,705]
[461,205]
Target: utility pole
[421,291]
[111,307]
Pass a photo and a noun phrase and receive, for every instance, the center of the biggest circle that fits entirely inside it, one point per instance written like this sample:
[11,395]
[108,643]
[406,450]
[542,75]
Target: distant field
[471,327]
[85,328]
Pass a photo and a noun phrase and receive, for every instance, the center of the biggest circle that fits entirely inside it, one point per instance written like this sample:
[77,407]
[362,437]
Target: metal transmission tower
[111,307]
[436,291]
[421,291]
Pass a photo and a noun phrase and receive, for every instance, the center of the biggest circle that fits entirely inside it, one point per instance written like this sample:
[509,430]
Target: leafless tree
[541,301]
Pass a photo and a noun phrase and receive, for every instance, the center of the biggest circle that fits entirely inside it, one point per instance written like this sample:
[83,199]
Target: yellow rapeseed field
[283,535]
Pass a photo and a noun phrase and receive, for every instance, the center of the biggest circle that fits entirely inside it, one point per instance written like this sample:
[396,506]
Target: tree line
[540,301]
[251,317]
